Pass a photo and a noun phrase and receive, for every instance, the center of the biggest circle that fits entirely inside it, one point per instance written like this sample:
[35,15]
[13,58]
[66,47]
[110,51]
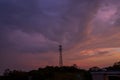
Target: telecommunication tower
[60,56]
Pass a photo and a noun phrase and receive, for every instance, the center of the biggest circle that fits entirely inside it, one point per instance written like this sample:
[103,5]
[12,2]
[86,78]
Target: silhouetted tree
[6,72]
[114,67]
[48,73]
[117,64]
[95,68]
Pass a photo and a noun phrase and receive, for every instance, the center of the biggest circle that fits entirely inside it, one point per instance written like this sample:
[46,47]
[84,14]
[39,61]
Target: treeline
[56,73]
[48,73]
[114,67]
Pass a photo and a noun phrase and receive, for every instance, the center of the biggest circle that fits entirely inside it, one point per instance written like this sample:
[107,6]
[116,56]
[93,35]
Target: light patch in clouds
[95,57]
[87,53]
[106,13]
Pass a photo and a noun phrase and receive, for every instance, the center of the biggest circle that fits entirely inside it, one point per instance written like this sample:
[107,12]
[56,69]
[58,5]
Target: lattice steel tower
[60,56]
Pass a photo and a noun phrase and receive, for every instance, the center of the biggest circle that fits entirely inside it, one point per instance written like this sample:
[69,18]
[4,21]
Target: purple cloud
[39,26]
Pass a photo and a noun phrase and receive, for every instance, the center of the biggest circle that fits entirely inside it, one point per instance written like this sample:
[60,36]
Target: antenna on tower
[60,56]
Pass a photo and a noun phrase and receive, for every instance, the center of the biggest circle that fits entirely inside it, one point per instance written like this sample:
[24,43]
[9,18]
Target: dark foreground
[48,73]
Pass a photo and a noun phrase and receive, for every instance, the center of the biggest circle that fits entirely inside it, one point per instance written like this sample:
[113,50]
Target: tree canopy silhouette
[48,73]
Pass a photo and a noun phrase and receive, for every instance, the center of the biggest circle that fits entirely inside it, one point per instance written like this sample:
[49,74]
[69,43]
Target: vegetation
[48,73]
[114,67]
[56,73]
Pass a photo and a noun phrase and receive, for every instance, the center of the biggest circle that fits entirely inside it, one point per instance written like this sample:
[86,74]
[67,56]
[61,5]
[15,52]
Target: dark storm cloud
[58,21]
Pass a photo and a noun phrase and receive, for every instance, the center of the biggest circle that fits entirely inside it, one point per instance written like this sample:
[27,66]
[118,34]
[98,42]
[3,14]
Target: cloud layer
[86,28]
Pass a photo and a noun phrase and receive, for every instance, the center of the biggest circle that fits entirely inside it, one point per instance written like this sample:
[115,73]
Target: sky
[31,30]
